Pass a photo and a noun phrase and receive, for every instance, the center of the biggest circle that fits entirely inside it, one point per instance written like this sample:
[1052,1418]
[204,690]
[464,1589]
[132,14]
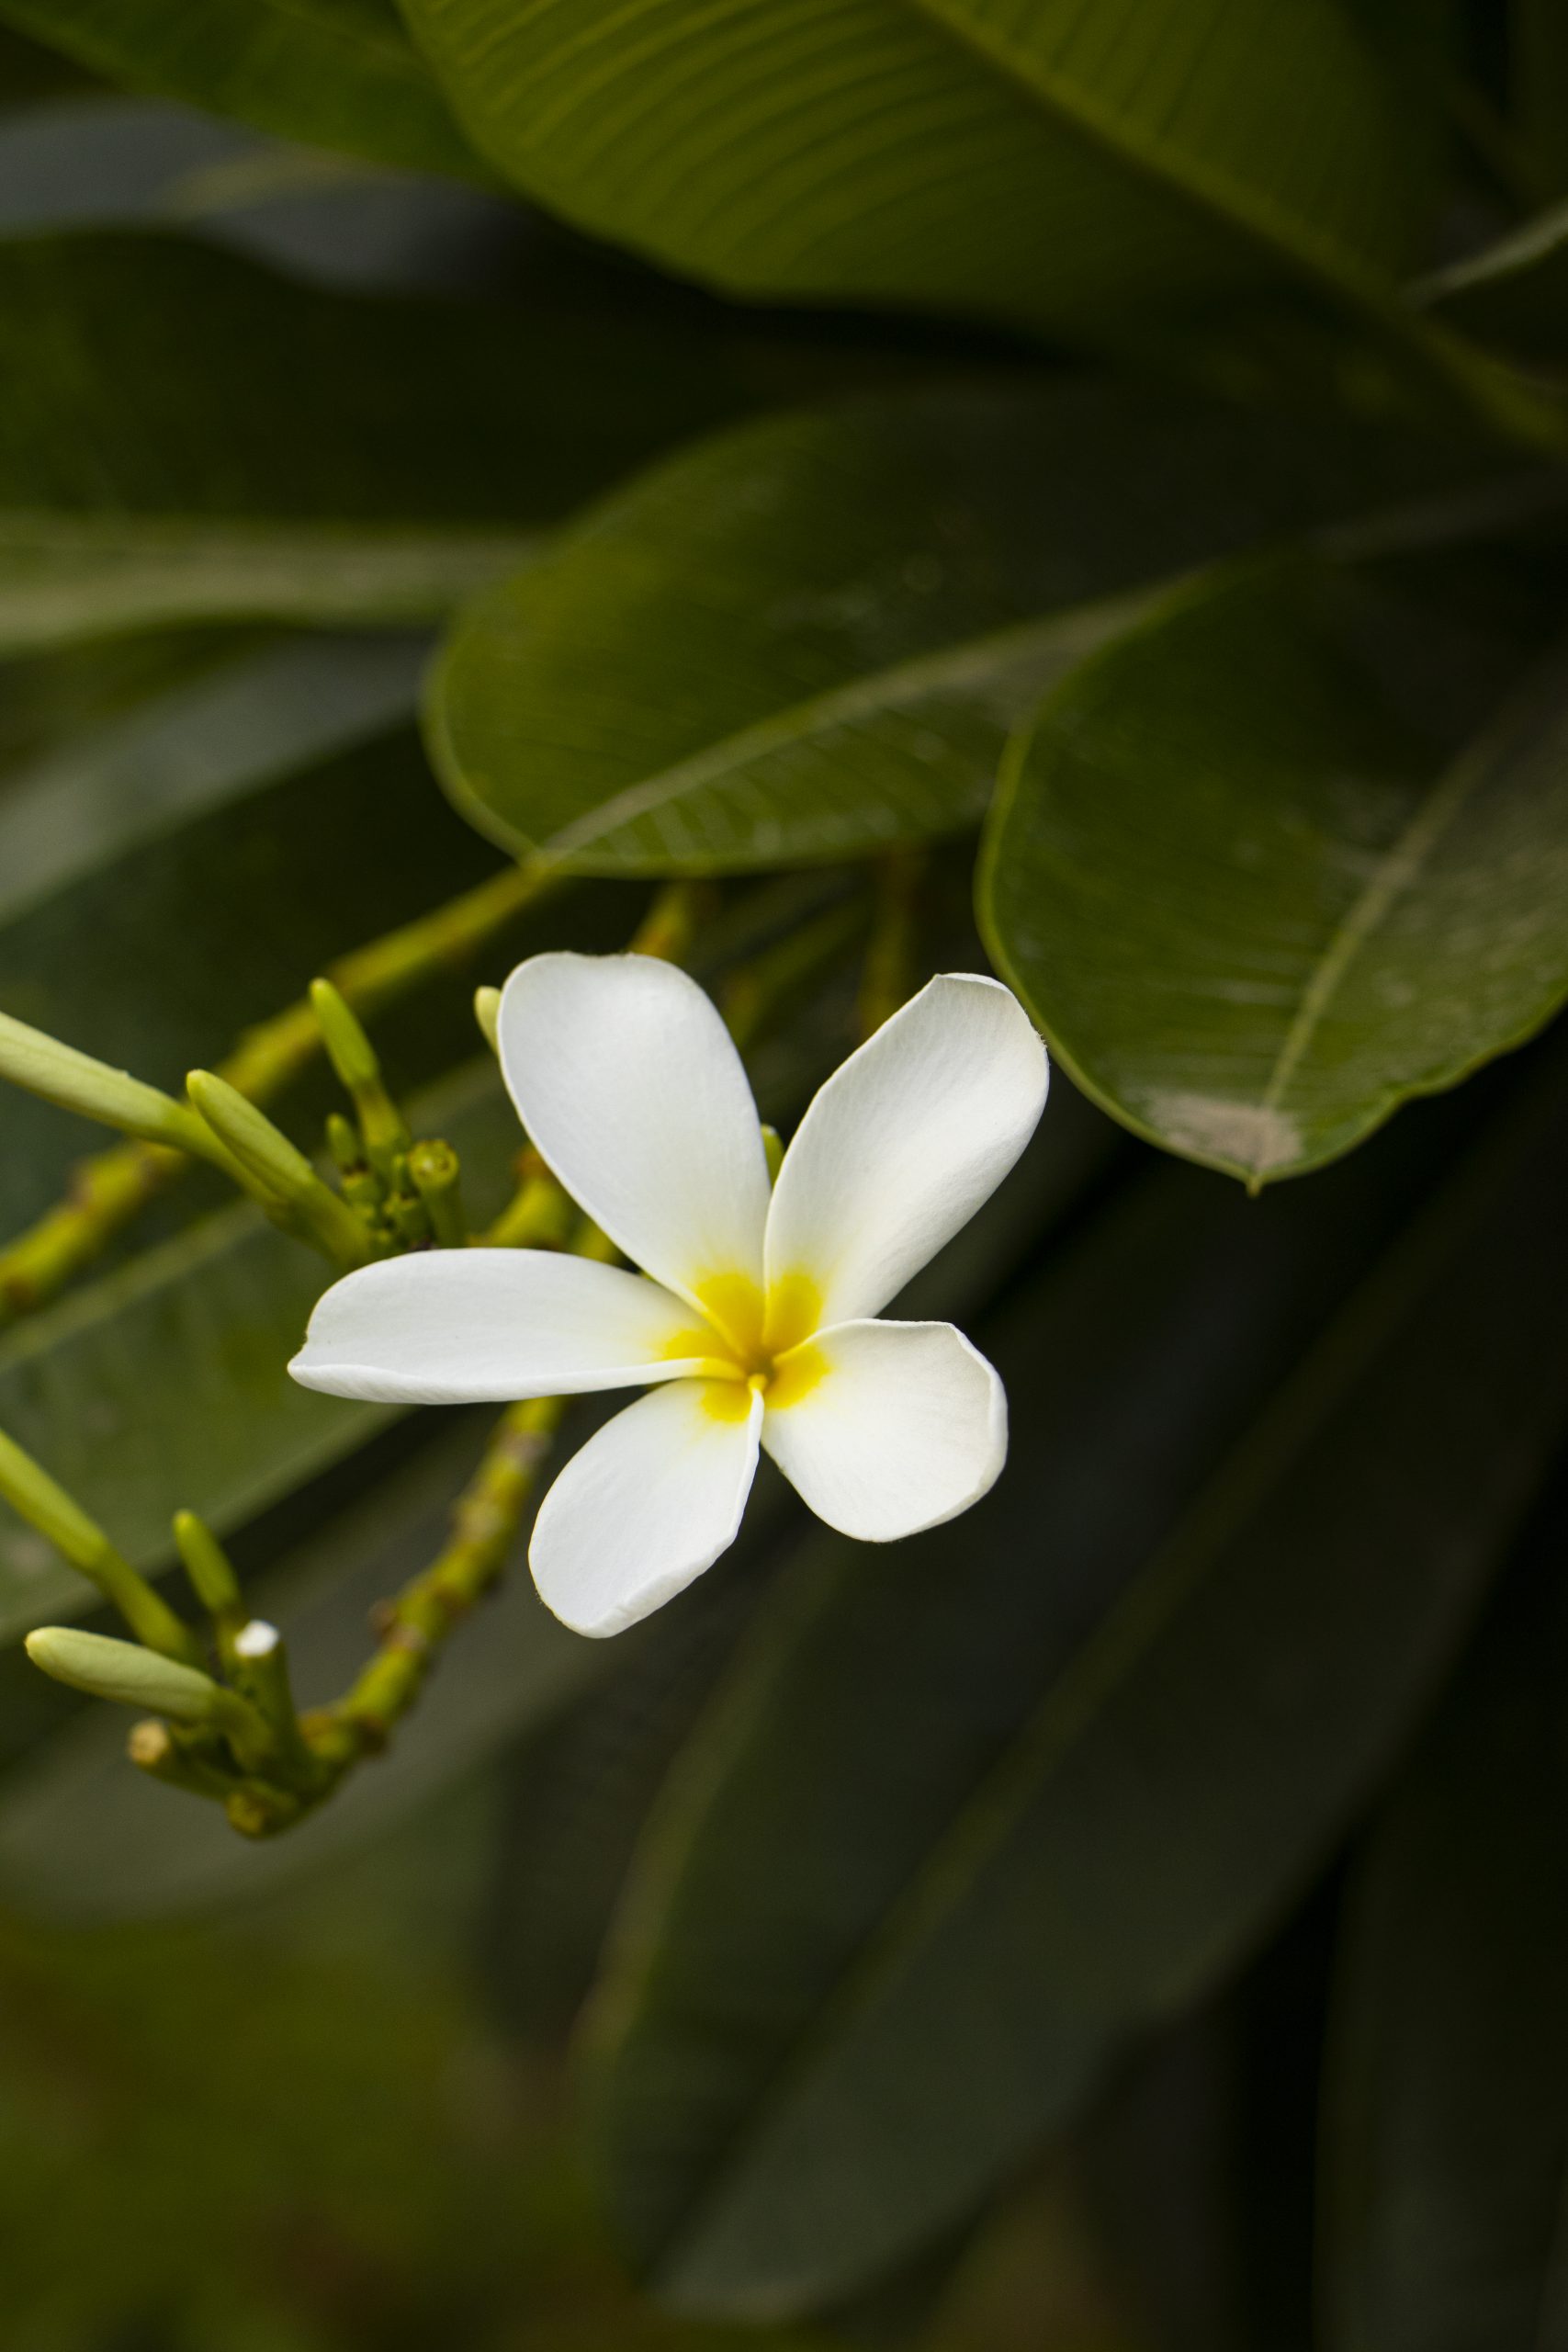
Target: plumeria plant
[751,1310]
[731,575]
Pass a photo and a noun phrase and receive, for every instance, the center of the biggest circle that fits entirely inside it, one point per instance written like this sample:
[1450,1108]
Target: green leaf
[163,1385]
[186,435]
[1537,41]
[1292,852]
[226,722]
[335,74]
[972,1812]
[808,638]
[1513,295]
[958,153]
[1446,2152]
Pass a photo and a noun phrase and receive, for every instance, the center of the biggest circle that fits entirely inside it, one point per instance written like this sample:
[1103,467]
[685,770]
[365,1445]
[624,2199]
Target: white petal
[629,1084]
[652,1501]
[904,1142]
[460,1327]
[904,1425]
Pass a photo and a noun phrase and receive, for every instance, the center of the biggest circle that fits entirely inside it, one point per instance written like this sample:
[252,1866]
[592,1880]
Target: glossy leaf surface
[1295,851]
[808,638]
[970,155]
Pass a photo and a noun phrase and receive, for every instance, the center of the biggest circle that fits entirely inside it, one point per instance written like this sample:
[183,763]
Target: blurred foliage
[1083,488]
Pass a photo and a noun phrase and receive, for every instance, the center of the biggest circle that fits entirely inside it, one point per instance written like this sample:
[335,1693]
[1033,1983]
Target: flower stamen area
[755,1346]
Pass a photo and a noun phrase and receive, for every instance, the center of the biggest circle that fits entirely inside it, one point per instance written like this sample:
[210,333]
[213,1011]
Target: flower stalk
[287,1184]
[34,1495]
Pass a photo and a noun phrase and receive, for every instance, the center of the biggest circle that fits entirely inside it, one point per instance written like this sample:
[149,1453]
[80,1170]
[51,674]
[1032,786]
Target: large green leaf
[1445,2186]
[973,1812]
[197,725]
[163,1385]
[809,636]
[186,435]
[1080,174]
[333,73]
[1292,852]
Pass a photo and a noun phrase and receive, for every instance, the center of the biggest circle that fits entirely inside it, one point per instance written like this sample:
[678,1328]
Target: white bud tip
[258,1639]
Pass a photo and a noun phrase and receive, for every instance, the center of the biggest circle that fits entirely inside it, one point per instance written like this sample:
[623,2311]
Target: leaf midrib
[1399,868]
[1272,225]
[971,660]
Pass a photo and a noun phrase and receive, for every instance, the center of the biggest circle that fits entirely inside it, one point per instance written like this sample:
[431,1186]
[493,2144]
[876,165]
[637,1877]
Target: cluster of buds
[405,1194]
[220,1716]
[396,1193]
[219,1713]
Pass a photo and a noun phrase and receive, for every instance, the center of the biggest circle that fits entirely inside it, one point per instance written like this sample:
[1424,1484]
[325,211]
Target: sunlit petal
[886,1427]
[457,1326]
[649,1502]
[626,1079]
[904,1142]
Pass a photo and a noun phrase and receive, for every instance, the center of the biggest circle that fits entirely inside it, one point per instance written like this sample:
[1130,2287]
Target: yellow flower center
[755,1345]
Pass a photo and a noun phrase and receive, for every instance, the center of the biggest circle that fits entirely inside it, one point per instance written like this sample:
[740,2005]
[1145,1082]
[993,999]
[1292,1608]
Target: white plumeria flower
[754,1315]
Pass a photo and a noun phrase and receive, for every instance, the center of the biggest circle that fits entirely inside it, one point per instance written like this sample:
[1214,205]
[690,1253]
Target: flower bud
[487,1013]
[123,1670]
[265,1152]
[353,1057]
[75,1081]
[436,1177]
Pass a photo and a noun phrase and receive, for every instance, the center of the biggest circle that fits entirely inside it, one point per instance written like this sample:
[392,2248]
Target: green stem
[887,975]
[81,1541]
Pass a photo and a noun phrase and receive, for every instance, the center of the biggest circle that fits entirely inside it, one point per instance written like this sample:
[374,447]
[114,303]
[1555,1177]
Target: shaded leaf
[333,73]
[960,153]
[970,1814]
[100,159]
[1295,850]
[226,722]
[1445,2183]
[1514,296]
[808,638]
[187,435]
[1539,45]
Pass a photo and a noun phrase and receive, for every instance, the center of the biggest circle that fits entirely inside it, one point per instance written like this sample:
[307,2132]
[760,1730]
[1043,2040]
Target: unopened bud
[354,1059]
[75,1081]
[125,1671]
[265,1152]
[436,1176]
[487,1013]
[207,1565]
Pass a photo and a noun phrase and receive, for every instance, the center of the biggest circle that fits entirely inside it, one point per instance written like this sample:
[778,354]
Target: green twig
[887,975]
